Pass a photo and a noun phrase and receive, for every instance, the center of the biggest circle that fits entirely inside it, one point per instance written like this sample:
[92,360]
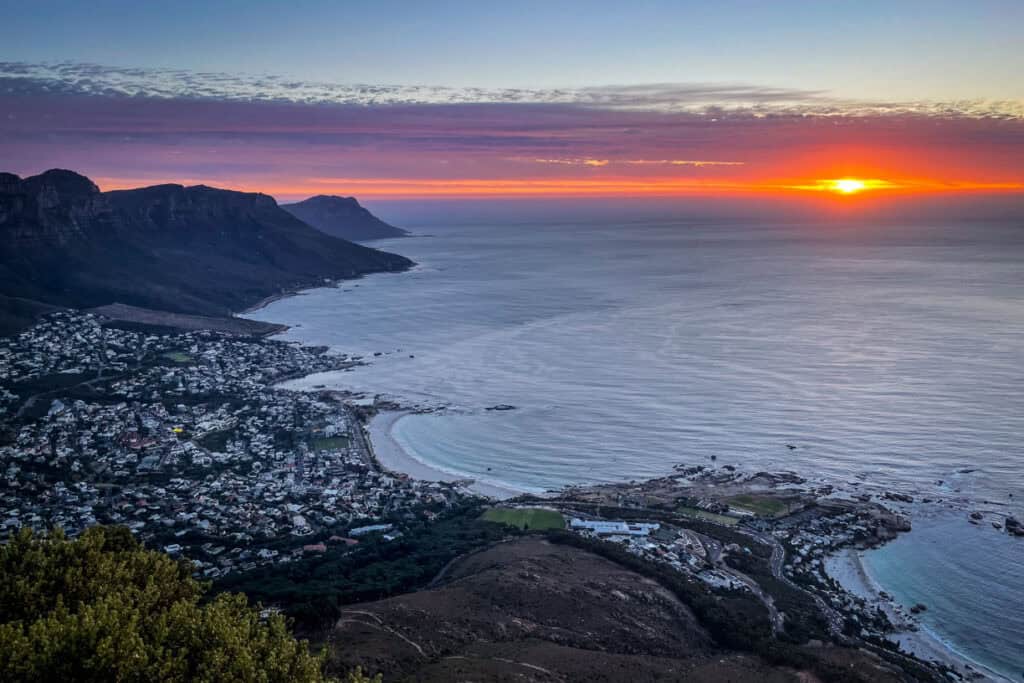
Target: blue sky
[909,49]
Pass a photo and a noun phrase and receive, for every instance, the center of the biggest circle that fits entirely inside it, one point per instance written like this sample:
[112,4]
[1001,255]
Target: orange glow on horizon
[482,188]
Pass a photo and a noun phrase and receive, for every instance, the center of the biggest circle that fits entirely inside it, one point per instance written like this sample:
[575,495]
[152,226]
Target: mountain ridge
[184,249]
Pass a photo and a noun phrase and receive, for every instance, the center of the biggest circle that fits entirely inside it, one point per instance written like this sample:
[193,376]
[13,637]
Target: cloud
[696,163]
[144,126]
[597,163]
[567,162]
[708,99]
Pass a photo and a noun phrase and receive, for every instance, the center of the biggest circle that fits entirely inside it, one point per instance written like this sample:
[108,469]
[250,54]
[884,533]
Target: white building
[606,528]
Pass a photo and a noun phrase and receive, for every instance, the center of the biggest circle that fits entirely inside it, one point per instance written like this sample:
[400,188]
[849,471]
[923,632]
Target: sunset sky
[555,99]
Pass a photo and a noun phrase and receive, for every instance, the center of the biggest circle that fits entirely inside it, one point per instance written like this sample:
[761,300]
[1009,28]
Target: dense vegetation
[313,590]
[102,608]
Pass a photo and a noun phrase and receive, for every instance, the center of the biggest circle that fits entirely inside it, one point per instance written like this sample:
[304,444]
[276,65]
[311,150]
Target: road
[776,562]
[778,558]
[361,441]
[714,556]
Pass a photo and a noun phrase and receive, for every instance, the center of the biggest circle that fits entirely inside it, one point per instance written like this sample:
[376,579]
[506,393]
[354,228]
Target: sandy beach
[392,456]
[848,569]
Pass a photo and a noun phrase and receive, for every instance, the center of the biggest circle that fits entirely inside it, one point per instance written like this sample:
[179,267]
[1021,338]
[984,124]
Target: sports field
[525,518]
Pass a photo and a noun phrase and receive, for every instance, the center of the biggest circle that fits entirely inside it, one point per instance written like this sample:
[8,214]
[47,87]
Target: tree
[102,608]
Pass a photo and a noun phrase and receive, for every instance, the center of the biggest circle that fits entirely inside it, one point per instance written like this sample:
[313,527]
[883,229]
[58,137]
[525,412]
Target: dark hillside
[531,610]
[197,250]
[342,217]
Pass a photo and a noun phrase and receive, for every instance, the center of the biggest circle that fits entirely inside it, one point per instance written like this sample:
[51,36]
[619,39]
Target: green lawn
[330,444]
[179,357]
[525,518]
[709,516]
[766,506]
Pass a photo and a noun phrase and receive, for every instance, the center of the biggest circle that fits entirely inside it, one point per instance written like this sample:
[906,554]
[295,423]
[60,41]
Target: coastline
[326,283]
[847,568]
[391,456]
[388,453]
[295,291]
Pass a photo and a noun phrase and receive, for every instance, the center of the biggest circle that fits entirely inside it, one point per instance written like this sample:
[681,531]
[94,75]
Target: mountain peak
[342,217]
[330,198]
[64,182]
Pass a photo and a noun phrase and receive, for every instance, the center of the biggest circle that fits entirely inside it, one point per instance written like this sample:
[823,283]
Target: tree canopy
[103,608]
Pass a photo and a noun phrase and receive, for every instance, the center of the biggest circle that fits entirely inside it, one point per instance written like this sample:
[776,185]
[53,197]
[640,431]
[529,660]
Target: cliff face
[53,208]
[184,210]
[342,217]
[184,249]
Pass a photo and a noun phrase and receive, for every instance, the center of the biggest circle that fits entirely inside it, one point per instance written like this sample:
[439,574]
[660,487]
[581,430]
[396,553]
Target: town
[184,439]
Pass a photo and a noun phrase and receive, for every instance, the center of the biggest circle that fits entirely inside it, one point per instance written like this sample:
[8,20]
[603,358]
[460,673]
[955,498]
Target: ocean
[891,357]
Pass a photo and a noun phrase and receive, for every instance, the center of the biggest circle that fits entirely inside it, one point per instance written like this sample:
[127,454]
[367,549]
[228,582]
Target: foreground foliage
[102,608]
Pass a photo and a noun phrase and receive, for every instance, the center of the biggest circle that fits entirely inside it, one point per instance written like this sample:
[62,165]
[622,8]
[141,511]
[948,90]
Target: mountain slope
[196,250]
[342,217]
[529,610]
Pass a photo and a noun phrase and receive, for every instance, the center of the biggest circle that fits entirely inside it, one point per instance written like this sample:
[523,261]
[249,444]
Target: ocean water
[891,357]
[970,580]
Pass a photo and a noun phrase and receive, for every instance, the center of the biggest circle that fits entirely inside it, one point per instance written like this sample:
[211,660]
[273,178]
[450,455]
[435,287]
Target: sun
[848,186]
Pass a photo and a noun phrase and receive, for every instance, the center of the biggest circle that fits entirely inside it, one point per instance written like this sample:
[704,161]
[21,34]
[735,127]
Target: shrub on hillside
[102,608]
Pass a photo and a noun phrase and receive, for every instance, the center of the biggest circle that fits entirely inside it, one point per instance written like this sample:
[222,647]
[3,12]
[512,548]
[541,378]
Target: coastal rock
[501,406]
[889,523]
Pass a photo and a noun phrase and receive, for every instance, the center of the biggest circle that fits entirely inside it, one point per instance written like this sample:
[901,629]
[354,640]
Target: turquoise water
[970,580]
[892,357]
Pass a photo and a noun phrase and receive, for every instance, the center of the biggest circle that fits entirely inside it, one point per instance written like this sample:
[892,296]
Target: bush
[102,608]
